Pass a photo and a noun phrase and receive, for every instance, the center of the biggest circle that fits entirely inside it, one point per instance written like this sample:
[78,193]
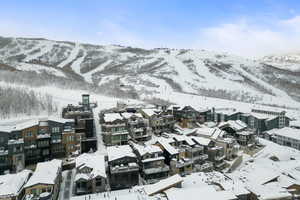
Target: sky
[250,28]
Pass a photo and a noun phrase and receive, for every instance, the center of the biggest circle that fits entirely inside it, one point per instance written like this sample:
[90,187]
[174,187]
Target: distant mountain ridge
[154,71]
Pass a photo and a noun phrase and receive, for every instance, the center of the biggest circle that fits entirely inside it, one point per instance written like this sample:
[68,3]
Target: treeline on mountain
[16,102]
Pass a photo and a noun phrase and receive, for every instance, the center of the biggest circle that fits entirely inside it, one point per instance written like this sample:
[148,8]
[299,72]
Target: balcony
[56,141]
[155,170]
[131,167]
[220,165]
[200,157]
[180,164]
[219,158]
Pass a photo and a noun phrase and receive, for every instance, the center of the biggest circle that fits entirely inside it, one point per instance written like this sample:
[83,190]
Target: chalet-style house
[186,116]
[137,126]
[90,174]
[45,181]
[160,120]
[151,162]
[240,131]
[182,154]
[114,129]
[123,167]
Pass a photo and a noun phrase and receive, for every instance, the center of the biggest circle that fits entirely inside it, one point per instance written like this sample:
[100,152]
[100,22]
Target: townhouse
[160,120]
[187,116]
[122,166]
[114,129]
[33,141]
[182,154]
[138,126]
[240,131]
[91,174]
[45,181]
[151,161]
[83,117]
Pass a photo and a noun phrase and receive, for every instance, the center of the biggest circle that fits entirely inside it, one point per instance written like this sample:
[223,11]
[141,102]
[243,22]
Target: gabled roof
[127,115]
[163,185]
[117,152]
[202,141]
[208,192]
[146,149]
[94,161]
[236,125]
[110,117]
[11,184]
[212,133]
[288,132]
[166,145]
[45,173]
[295,123]
[150,111]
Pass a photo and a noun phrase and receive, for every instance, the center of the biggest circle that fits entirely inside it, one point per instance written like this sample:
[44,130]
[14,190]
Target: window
[71,138]
[98,182]
[29,134]
[34,191]
[46,152]
[55,130]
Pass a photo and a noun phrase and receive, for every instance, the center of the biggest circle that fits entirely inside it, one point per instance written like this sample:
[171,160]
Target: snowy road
[100,145]
[66,187]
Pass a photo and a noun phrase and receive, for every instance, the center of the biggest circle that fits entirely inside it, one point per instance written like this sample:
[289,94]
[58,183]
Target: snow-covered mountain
[289,62]
[154,72]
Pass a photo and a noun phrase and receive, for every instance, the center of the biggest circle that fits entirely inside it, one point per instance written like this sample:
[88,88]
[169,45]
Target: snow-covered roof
[185,131]
[27,124]
[236,125]
[136,193]
[144,149]
[196,193]
[263,116]
[163,185]
[45,173]
[269,191]
[288,132]
[150,111]
[166,145]
[212,133]
[59,119]
[185,138]
[127,115]
[94,161]
[226,111]
[110,117]
[295,123]
[117,152]
[202,141]
[11,184]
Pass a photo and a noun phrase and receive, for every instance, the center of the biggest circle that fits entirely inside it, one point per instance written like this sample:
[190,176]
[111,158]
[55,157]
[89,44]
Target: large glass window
[55,130]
